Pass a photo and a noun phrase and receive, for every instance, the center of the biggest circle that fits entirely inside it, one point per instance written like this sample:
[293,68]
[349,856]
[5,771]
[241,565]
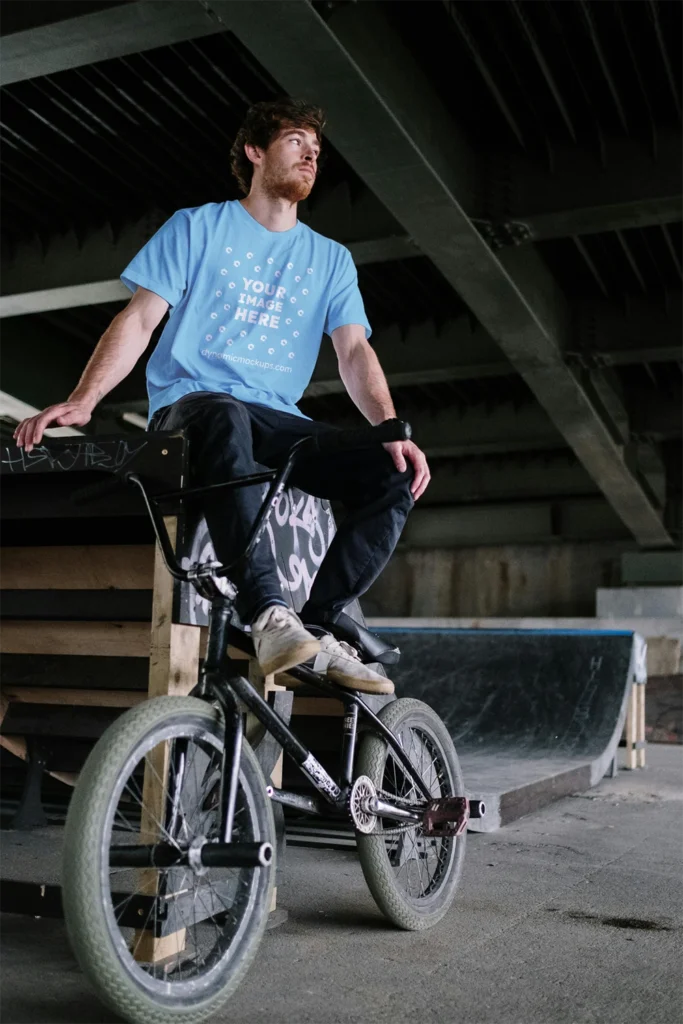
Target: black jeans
[229,439]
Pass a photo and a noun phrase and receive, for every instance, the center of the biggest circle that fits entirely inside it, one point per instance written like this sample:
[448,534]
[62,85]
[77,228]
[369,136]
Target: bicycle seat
[370,646]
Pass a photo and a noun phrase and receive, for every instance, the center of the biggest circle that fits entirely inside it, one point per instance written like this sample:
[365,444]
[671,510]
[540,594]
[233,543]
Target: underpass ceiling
[106,143]
[540,74]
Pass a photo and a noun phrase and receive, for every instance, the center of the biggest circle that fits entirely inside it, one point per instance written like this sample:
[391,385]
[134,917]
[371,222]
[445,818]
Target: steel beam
[449,432]
[69,271]
[461,349]
[640,331]
[422,354]
[388,123]
[12,408]
[383,250]
[630,187]
[71,261]
[88,38]
[531,522]
[552,474]
[480,430]
[63,298]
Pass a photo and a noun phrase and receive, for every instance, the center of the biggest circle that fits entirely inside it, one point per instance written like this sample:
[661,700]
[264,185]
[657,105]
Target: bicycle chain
[397,829]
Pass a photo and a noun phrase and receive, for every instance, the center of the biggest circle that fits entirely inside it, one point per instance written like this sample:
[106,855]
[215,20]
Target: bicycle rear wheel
[163,945]
[412,877]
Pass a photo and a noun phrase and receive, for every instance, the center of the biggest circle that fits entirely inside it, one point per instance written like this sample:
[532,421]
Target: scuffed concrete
[573,915]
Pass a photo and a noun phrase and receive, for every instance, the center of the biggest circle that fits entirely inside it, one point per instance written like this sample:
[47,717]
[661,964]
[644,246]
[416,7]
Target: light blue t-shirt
[249,306]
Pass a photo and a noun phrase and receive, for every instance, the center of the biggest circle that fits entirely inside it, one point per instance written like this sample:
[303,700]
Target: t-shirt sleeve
[162,264]
[346,303]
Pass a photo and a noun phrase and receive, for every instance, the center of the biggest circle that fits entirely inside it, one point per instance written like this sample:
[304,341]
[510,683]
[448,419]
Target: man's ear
[253,153]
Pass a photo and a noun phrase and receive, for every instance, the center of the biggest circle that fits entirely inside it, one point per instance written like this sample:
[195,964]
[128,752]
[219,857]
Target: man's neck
[273,214]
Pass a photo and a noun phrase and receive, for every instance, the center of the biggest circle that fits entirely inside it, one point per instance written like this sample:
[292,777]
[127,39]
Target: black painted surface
[80,605]
[534,714]
[75,671]
[535,692]
[299,532]
[39,484]
[58,720]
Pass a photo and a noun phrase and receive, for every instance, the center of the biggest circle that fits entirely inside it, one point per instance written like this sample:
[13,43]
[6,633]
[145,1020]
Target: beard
[293,187]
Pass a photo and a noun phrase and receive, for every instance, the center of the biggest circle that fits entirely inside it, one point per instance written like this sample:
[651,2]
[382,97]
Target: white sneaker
[280,640]
[341,663]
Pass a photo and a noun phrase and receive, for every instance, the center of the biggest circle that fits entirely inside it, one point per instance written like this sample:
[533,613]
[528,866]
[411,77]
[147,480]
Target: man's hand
[65,414]
[406,451]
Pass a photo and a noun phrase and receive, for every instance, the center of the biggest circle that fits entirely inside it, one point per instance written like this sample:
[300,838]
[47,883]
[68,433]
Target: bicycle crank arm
[199,856]
[385,810]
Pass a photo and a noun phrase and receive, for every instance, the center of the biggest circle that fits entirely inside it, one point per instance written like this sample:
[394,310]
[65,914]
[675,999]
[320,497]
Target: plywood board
[106,639]
[78,567]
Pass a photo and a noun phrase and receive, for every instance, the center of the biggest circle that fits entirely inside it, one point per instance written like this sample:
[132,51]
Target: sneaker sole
[291,657]
[380,689]
[362,685]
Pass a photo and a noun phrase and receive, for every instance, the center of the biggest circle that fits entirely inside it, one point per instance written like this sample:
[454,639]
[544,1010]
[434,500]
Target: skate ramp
[534,714]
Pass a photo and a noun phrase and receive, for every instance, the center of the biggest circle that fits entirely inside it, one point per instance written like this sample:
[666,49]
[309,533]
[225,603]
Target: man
[251,290]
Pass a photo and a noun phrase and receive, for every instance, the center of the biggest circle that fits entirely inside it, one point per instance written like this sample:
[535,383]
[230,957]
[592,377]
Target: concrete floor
[572,915]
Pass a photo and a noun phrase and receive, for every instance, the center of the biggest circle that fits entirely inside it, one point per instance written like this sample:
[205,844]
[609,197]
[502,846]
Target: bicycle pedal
[446,817]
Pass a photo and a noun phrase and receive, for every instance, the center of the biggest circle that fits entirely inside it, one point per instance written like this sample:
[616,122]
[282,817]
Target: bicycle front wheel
[163,945]
[412,877]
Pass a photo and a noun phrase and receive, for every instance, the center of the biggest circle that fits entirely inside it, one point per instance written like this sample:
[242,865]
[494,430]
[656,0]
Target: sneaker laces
[334,646]
[275,617]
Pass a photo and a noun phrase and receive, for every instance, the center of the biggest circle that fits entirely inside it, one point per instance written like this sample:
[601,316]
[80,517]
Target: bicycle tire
[405,910]
[102,954]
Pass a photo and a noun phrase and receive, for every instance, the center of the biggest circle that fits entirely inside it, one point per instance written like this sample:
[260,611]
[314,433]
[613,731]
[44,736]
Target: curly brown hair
[262,124]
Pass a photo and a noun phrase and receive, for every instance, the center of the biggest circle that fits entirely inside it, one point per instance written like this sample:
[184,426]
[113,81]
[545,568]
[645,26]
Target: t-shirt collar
[257,226]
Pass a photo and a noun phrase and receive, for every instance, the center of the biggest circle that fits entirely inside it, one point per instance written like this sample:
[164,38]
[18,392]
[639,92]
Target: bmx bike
[168,865]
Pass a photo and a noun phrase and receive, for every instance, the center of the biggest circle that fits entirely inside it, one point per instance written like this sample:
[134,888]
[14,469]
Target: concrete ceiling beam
[102,35]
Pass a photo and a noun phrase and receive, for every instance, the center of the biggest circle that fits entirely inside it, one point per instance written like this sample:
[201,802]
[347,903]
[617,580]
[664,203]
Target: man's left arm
[364,379]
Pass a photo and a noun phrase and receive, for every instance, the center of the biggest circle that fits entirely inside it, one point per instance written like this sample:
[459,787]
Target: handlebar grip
[363,437]
[84,495]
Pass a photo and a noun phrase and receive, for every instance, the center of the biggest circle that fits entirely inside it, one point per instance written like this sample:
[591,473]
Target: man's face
[290,164]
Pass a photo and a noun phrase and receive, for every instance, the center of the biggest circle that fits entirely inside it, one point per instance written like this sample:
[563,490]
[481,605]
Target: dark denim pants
[229,438]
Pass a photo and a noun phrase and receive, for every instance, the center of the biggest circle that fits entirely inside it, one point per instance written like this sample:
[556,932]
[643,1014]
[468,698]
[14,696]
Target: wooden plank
[70,721]
[78,567]
[631,724]
[17,746]
[70,672]
[105,639]
[148,949]
[173,669]
[318,707]
[174,650]
[640,702]
[80,605]
[91,698]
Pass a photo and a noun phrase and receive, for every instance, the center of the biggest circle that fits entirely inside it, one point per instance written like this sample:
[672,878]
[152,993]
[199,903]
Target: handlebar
[362,437]
[327,443]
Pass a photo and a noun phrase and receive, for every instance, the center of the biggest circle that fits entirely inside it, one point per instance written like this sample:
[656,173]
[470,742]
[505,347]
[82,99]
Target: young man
[251,291]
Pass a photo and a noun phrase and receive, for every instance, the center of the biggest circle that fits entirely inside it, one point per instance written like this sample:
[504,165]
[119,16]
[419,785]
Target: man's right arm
[117,352]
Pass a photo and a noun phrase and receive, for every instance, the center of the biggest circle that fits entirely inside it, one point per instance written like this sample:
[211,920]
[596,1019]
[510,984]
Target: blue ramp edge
[505,632]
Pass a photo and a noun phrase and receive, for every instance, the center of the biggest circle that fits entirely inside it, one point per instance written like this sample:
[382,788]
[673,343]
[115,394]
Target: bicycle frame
[219,684]
[218,681]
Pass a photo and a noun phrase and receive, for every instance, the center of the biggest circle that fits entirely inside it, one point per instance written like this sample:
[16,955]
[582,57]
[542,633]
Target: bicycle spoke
[419,862]
[190,919]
